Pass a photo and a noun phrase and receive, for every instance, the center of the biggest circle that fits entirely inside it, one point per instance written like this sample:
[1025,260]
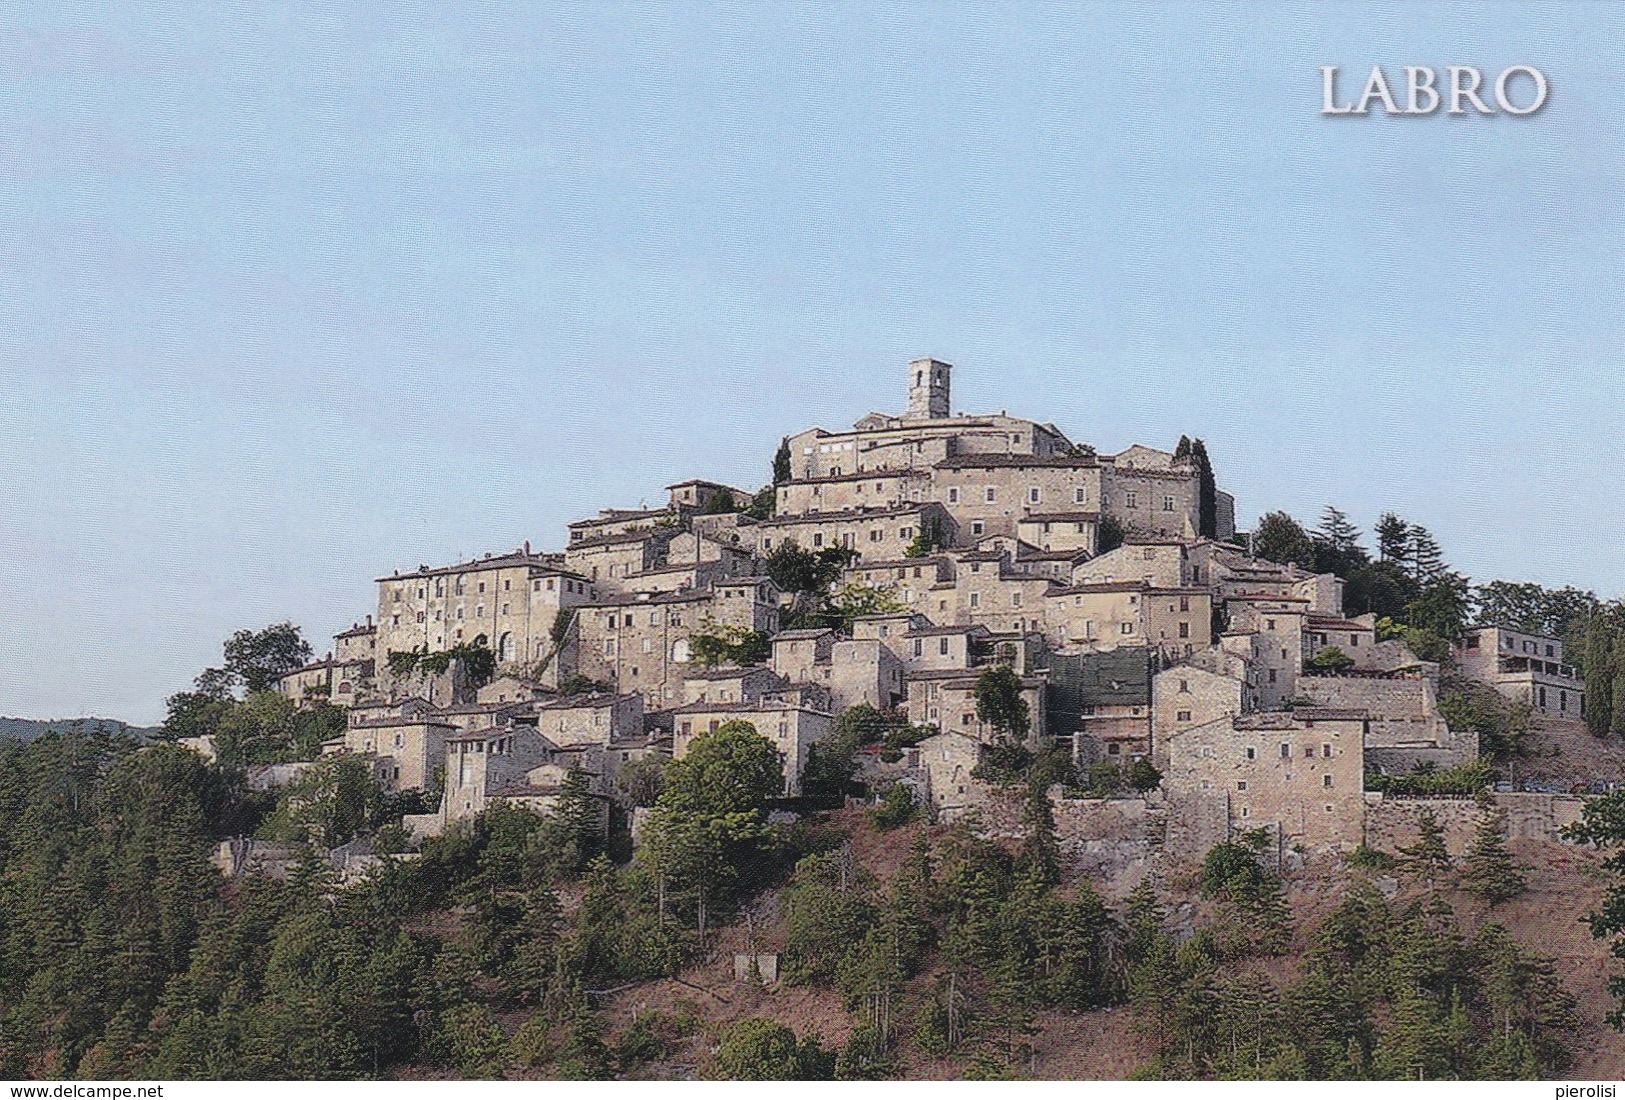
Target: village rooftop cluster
[1113,587]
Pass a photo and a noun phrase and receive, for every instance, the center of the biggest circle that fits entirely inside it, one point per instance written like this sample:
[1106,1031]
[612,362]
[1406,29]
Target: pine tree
[1416,1043]
[1142,921]
[1428,856]
[1488,869]
[1393,538]
[1425,558]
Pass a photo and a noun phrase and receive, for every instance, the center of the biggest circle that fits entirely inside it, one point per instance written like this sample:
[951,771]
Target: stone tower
[928,390]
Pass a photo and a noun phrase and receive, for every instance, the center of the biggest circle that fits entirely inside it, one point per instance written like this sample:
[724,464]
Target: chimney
[527,548]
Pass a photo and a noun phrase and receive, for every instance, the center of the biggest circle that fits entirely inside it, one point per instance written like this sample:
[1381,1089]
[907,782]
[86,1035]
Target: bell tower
[928,390]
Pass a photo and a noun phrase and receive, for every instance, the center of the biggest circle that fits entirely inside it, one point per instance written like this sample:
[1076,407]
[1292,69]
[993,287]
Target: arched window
[505,646]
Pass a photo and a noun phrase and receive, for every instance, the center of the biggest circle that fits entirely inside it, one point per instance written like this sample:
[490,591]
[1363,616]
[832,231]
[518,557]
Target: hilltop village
[920,564]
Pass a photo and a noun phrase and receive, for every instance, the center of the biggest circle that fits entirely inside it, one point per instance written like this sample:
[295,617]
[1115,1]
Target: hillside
[1565,882]
[26,729]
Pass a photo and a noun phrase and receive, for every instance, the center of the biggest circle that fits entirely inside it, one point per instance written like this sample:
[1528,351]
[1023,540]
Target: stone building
[989,591]
[1186,696]
[609,561]
[640,641]
[1175,621]
[1299,774]
[410,748]
[1269,631]
[730,685]
[793,730]
[1526,668]
[946,699]
[507,603]
[883,534]
[1099,703]
[948,759]
[480,764]
[1405,728]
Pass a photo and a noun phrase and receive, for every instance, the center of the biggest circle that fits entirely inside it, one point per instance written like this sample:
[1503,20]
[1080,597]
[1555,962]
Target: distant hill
[26,729]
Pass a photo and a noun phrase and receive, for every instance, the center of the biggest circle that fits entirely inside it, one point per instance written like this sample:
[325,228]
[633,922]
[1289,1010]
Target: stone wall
[1108,836]
[1392,822]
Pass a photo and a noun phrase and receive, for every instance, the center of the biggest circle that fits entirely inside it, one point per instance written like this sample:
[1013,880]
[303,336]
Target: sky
[293,295]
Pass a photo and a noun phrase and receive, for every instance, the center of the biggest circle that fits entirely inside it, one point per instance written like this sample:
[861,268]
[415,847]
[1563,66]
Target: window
[1131,499]
[953,494]
[1184,687]
[1080,495]
[1125,628]
[1326,780]
[919,647]
[1269,624]
[1252,753]
[976,599]
[1286,751]
[1241,784]
[1184,630]
[1114,749]
[1182,716]
[1167,504]
[1272,675]
[977,527]
[942,646]
[1015,599]
[1033,495]
[1184,603]
[1326,751]
[991,494]
[420,616]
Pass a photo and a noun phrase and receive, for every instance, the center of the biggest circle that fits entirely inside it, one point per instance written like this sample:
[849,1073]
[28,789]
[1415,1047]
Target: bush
[896,807]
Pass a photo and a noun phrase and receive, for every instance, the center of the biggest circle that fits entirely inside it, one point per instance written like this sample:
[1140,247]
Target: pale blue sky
[291,296]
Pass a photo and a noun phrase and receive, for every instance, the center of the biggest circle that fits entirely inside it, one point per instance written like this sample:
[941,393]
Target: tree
[1444,605]
[1602,824]
[1337,544]
[1000,704]
[781,462]
[1393,538]
[1280,538]
[1207,492]
[258,659]
[1488,869]
[759,1049]
[1380,588]
[713,644]
[929,540]
[811,571]
[1329,659]
[733,769]
[1109,533]
[708,828]
[1530,608]
[1425,558]
[1428,856]
[856,600]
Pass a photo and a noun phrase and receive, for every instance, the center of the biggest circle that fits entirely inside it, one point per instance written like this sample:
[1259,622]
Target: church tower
[928,390]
